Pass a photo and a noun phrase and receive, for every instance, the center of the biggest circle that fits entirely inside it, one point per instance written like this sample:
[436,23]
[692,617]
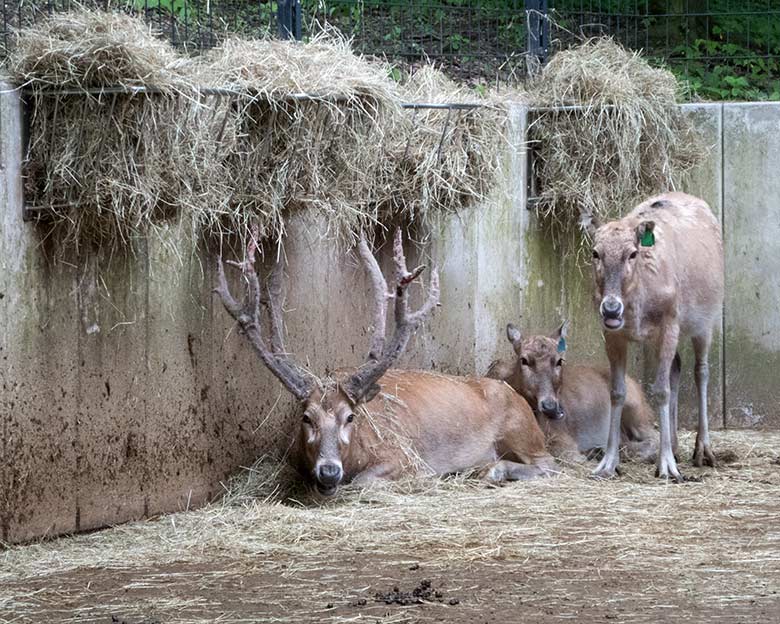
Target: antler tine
[361,384]
[247,314]
[381,295]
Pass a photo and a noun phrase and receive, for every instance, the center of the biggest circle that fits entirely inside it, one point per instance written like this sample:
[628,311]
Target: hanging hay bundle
[308,126]
[624,139]
[445,159]
[101,167]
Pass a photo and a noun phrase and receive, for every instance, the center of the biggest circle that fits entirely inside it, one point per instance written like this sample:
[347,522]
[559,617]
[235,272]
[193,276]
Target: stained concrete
[126,390]
[752,236]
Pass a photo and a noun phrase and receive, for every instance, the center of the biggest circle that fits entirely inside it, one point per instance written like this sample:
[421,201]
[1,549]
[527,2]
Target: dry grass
[278,152]
[108,167]
[444,160]
[718,537]
[111,167]
[626,140]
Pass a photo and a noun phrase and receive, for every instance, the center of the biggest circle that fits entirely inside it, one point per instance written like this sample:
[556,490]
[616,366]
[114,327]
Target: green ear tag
[562,345]
[648,239]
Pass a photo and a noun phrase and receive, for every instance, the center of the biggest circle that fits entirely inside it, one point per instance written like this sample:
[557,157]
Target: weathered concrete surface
[126,390]
[751,143]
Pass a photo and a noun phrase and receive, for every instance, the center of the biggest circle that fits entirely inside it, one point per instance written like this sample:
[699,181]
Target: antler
[247,314]
[382,356]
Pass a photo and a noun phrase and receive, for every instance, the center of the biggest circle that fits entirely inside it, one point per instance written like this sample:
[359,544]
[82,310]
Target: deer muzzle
[611,310]
[328,476]
[551,409]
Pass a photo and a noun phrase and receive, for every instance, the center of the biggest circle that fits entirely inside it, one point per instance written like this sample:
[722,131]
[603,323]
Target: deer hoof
[605,474]
[703,456]
[674,477]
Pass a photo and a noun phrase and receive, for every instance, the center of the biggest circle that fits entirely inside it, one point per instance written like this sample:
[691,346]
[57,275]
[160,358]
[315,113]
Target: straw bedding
[618,549]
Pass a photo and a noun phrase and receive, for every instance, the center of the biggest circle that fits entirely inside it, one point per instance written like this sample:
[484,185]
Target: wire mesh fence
[723,41]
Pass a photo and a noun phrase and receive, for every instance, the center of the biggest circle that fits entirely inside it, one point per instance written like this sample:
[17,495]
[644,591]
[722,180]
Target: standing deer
[571,402]
[658,273]
[377,423]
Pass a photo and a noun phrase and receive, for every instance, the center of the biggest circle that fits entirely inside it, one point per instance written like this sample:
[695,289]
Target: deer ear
[645,233]
[590,223]
[513,335]
[560,335]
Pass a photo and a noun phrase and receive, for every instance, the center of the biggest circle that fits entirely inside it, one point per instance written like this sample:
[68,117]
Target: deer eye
[559,362]
[633,255]
[350,418]
[523,361]
[306,419]
[595,255]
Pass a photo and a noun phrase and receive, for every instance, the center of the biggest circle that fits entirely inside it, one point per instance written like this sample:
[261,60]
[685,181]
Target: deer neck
[518,385]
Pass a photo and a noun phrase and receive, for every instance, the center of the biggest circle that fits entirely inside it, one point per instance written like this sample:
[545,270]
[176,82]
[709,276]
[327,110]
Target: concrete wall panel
[752,228]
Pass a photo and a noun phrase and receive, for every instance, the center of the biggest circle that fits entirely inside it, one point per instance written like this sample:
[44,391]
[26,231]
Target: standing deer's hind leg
[616,352]
[674,387]
[702,454]
[667,466]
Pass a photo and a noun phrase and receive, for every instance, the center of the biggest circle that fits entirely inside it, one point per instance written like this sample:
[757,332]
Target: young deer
[374,422]
[571,402]
[659,277]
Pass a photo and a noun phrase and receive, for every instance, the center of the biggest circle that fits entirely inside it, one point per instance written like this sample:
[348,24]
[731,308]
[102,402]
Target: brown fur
[582,394]
[425,422]
[658,294]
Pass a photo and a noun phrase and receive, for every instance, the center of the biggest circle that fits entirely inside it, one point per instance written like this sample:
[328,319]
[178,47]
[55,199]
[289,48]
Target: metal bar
[444,134]
[233,92]
[297,96]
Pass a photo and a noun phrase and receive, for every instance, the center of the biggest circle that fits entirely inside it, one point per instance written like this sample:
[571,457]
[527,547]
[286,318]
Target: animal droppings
[424,592]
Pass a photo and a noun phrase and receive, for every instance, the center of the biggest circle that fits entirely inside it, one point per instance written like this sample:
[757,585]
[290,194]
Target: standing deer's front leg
[667,465]
[617,347]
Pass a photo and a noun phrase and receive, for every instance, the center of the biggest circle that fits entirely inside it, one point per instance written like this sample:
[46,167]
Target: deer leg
[674,391]
[667,466]
[505,470]
[379,472]
[616,352]
[702,454]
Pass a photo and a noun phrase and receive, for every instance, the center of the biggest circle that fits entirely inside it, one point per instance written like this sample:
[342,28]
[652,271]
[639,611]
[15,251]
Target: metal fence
[473,39]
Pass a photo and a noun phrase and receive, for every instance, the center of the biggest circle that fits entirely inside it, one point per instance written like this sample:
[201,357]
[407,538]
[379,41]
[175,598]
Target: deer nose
[329,474]
[549,407]
[611,307]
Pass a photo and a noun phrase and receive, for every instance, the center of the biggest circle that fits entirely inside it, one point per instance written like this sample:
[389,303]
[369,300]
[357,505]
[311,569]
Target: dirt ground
[568,548]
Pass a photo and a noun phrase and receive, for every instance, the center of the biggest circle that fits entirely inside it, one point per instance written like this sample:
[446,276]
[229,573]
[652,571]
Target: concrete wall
[126,392]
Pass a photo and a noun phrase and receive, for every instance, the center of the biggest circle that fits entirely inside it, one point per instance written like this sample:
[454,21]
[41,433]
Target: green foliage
[177,8]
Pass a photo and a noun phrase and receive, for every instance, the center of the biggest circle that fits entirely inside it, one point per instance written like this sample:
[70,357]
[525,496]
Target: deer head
[618,250]
[329,407]
[539,367]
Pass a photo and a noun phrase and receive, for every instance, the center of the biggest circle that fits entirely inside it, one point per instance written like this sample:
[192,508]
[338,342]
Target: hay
[628,139]
[107,167]
[315,126]
[445,160]
[556,543]
[280,152]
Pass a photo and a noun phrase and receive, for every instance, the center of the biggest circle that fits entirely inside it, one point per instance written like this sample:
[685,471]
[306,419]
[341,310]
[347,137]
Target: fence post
[288,17]
[538,29]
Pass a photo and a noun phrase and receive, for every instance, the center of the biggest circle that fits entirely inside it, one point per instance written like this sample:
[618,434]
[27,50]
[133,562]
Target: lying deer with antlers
[571,402]
[658,273]
[378,423]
